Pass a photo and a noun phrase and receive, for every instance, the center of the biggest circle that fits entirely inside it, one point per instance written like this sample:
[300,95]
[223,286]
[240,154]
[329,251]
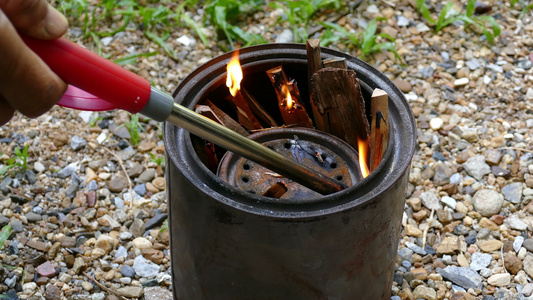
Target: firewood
[290,105]
[244,113]
[337,92]
[379,131]
[277,190]
[257,109]
[335,62]
[314,63]
[216,114]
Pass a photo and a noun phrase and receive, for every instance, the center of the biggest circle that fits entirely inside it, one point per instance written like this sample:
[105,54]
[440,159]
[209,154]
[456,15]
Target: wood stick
[244,113]
[216,114]
[314,63]
[379,131]
[257,109]
[110,291]
[292,113]
[335,62]
[277,190]
[337,91]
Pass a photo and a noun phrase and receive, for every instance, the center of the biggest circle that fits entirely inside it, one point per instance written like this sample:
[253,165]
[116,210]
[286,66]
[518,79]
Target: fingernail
[56,23]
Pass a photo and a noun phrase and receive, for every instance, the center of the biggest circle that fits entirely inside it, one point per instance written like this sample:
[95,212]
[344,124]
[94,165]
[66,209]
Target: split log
[337,92]
[379,131]
[335,62]
[257,109]
[244,113]
[277,190]
[289,102]
[314,63]
[214,113]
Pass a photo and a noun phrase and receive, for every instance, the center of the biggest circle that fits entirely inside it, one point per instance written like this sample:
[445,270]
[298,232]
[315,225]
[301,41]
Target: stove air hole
[339,177]
[245,179]
[333,165]
[287,145]
[246,167]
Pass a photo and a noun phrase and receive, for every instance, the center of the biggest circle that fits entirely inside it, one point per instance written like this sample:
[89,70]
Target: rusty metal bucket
[230,244]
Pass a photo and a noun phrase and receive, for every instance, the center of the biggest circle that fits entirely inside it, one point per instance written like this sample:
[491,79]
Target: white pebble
[461,82]
[38,167]
[436,123]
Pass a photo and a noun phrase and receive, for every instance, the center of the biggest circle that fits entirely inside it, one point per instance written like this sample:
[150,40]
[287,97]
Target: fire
[288,98]
[233,81]
[363,154]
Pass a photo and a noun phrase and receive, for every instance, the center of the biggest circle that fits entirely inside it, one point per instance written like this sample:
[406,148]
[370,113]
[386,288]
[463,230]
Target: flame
[233,81]
[288,97]
[363,154]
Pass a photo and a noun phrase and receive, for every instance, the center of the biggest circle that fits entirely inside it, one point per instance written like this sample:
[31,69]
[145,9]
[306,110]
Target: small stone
[480,261]
[461,82]
[33,217]
[513,264]
[39,167]
[147,176]
[117,184]
[528,244]
[490,245]
[131,291]
[145,146]
[150,188]
[77,143]
[37,245]
[419,273]
[90,175]
[156,256]
[127,271]
[492,157]
[157,292]
[513,192]
[500,172]
[160,183]
[464,277]
[462,296]
[140,189]
[105,243]
[137,227]
[487,202]
[135,170]
[412,230]
[501,279]
[87,286]
[126,154]
[490,225]
[144,267]
[449,245]
[286,36]
[97,253]
[141,243]
[79,265]
[67,241]
[436,123]
[528,290]
[517,243]
[476,167]
[66,172]
[121,252]
[155,221]
[52,292]
[430,200]
[46,269]
[403,85]
[423,292]
[514,222]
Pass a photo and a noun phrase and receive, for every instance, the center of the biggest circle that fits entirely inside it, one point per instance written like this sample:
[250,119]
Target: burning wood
[277,190]
[216,114]
[379,131]
[233,81]
[289,102]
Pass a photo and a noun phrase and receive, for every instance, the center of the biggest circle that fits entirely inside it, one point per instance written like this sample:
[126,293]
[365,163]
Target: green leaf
[470,7]
[423,9]
[132,59]
[4,235]
[369,36]
[166,47]
[444,13]
[194,26]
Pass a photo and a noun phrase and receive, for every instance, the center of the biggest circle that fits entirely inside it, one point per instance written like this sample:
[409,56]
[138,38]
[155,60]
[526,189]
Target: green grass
[20,160]
[367,42]
[300,13]
[134,126]
[486,24]
[4,235]
[160,161]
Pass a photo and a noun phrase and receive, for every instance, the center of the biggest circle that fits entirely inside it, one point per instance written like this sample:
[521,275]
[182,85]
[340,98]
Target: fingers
[6,111]
[26,83]
[36,18]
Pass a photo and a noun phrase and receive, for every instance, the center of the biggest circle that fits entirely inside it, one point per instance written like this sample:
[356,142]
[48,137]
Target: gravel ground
[88,214]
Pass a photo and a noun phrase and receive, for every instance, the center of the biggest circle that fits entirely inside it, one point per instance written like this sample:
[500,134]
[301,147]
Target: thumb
[36,18]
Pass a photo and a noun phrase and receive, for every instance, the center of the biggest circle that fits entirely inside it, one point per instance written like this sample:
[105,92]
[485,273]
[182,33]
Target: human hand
[27,84]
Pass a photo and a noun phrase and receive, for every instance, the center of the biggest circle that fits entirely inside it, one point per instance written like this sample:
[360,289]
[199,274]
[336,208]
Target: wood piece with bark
[314,63]
[335,62]
[337,92]
[379,130]
[287,91]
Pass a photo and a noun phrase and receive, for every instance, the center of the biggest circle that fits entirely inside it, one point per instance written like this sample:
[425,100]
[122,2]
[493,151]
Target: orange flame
[288,97]
[363,154]
[233,81]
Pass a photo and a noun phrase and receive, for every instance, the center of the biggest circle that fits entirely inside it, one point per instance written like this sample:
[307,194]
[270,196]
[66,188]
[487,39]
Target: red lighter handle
[86,70]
